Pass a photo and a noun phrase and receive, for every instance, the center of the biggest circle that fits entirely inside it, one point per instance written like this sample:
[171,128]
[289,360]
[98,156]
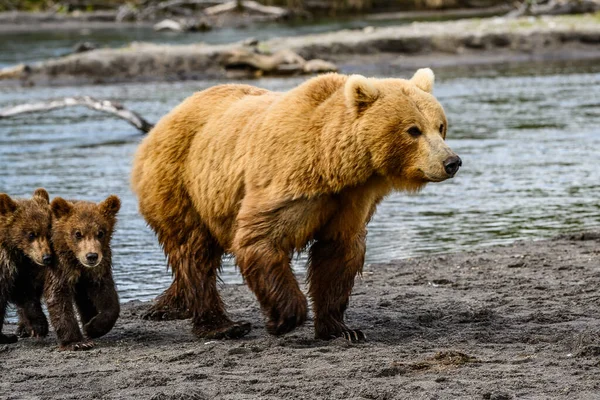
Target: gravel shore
[503,322]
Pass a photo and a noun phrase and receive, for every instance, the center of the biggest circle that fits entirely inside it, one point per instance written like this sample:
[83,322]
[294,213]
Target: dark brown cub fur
[25,228]
[81,234]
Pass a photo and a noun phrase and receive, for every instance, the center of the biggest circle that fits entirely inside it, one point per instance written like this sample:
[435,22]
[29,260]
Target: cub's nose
[91,257]
[47,259]
[452,164]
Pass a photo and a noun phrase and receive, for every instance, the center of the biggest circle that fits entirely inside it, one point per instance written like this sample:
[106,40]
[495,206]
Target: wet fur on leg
[170,305]
[333,266]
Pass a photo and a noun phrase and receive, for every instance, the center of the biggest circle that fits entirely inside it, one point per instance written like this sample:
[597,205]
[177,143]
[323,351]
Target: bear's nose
[91,257]
[47,259]
[452,164]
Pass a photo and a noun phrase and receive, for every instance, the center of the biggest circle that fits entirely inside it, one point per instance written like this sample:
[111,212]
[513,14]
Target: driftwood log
[105,106]
[246,62]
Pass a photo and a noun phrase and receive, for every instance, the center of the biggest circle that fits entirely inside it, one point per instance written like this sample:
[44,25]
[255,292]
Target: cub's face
[84,229]
[404,128]
[26,226]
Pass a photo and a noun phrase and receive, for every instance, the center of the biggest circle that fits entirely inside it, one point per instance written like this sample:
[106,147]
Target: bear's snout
[452,164]
[91,258]
[47,259]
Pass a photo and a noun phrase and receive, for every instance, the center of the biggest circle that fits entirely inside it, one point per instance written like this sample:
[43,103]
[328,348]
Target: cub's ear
[359,92]
[423,79]
[110,206]
[41,194]
[7,205]
[60,207]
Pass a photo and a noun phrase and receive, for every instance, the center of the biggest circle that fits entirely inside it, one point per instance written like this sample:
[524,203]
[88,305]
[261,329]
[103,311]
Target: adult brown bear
[258,174]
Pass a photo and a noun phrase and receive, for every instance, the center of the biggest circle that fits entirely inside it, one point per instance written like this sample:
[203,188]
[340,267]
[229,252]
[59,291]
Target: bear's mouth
[433,178]
[87,264]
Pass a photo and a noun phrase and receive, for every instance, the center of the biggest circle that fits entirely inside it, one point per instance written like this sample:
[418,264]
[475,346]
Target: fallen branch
[99,105]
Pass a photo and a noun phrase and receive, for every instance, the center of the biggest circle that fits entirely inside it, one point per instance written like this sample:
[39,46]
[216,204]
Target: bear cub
[81,235]
[25,252]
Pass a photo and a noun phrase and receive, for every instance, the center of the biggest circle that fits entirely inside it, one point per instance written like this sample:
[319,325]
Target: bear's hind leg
[195,257]
[333,265]
[32,320]
[170,304]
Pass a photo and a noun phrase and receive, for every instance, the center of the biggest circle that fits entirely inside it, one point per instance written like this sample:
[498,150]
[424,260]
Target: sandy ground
[519,321]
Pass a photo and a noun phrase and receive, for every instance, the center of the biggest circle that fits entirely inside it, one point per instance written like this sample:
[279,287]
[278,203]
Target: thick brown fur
[82,276]
[258,174]
[25,253]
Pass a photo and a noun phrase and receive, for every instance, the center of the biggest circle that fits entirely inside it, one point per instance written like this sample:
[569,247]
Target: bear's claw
[8,339]
[80,346]
[351,335]
[234,331]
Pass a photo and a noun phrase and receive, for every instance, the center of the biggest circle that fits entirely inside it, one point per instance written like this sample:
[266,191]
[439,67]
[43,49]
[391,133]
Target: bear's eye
[78,235]
[100,234]
[414,131]
[31,236]
[441,128]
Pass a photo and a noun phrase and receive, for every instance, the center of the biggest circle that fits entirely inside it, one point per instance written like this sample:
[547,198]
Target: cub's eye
[442,128]
[78,235]
[414,131]
[31,236]
[100,234]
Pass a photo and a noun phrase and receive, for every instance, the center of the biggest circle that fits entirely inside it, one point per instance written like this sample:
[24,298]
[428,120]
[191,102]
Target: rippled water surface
[529,138]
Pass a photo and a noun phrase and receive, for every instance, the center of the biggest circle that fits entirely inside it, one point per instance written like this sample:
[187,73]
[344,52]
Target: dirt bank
[491,40]
[517,321]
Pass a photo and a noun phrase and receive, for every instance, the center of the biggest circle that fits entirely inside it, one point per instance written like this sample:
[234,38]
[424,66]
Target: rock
[183,25]
[168,25]
[82,47]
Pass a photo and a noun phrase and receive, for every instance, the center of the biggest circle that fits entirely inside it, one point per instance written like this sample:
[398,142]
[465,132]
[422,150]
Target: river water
[529,137]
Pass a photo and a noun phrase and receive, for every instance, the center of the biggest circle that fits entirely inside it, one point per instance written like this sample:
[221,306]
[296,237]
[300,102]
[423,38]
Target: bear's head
[403,127]
[82,230]
[26,226]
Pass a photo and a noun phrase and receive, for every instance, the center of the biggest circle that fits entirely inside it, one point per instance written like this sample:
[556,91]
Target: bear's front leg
[98,306]
[59,299]
[334,264]
[267,272]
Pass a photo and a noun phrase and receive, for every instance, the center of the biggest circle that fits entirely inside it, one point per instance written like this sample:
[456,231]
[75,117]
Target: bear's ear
[111,206]
[42,195]
[359,92]
[7,205]
[60,207]
[423,79]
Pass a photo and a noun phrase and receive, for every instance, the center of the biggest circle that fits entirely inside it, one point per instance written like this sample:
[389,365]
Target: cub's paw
[23,331]
[8,339]
[39,329]
[285,318]
[233,330]
[161,313]
[79,346]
